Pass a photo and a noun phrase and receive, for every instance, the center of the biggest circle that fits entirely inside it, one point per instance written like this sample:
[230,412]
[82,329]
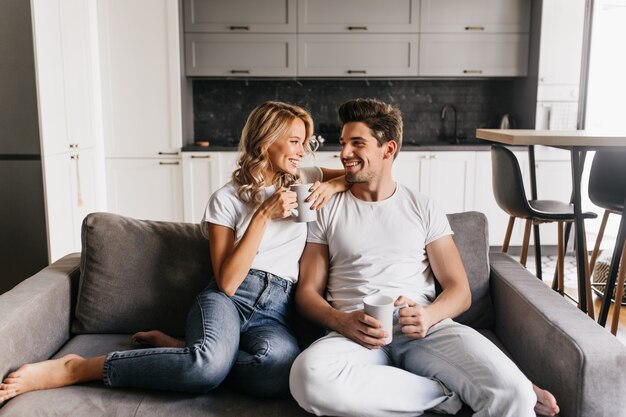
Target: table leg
[533,196]
[581,245]
[615,262]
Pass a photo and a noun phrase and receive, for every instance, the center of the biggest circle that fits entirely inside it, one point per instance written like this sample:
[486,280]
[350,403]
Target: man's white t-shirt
[284,239]
[379,246]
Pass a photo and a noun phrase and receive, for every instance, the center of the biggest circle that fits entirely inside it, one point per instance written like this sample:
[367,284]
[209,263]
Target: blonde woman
[239,324]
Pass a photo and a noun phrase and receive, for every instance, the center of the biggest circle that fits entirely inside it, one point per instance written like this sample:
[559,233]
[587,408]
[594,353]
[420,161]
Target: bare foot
[157,339]
[41,375]
[546,403]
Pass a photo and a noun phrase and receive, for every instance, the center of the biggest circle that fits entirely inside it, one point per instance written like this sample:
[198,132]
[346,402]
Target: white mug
[381,308]
[303,213]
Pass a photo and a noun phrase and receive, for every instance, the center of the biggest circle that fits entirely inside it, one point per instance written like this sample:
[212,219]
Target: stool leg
[560,261]
[596,248]
[590,310]
[615,260]
[619,292]
[524,255]
[507,236]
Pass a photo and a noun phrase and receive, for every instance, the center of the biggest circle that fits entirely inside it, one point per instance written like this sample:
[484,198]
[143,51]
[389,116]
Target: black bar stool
[607,189]
[508,189]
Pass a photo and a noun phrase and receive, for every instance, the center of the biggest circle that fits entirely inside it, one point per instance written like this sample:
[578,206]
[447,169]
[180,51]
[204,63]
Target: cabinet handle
[168,163]
[240,28]
[357,27]
[357,72]
[79,193]
[73,145]
[200,157]
[474,28]
[472,71]
[240,71]
[168,153]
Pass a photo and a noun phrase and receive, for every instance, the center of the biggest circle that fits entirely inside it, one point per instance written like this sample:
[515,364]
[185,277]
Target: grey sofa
[135,275]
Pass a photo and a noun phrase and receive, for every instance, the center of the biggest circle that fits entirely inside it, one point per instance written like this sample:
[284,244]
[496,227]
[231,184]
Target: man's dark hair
[384,120]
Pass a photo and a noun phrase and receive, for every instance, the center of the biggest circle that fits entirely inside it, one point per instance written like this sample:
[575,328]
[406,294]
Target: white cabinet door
[198,170]
[412,170]
[71,184]
[269,16]
[357,16]
[141,82]
[64,39]
[475,55]
[325,159]
[145,188]
[240,55]
[348,55]
[501,16]
[452,180]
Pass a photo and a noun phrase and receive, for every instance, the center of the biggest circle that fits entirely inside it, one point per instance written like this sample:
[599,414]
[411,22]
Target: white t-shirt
[379,246]
[283,241]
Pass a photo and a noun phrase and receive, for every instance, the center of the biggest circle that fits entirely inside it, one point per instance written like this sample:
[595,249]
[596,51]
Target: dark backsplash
[221,106]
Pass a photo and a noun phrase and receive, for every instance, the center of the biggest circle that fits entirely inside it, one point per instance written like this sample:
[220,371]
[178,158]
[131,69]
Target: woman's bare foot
[157,339]
[546,403]
[55,373]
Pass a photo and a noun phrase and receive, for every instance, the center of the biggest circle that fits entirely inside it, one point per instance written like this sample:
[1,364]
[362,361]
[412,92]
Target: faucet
[444,109]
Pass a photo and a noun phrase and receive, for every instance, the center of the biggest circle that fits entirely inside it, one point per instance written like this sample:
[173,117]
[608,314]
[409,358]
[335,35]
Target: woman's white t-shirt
[284,239]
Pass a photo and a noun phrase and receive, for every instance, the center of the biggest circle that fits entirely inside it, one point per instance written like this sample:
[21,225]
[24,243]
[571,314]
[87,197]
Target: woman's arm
[231,262]
[334,182]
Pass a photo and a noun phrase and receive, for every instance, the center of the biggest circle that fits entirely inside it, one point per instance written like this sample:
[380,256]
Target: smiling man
[380,237]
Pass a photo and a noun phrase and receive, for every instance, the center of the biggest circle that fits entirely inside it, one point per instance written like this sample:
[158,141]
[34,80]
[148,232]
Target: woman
[240,322]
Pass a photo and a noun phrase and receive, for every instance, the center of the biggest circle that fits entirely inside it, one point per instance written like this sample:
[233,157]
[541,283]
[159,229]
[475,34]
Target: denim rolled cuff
[106,370]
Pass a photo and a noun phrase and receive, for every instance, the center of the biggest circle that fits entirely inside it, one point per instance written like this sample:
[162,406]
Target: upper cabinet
[356,38]
[240,16]
[475,16]
[358,16]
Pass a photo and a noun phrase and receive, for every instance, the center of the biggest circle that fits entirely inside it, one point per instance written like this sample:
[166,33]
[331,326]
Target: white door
[145,188]
[141,82]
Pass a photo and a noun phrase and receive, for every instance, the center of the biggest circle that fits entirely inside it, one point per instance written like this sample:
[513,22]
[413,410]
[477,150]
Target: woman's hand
[322,191]
[279,205]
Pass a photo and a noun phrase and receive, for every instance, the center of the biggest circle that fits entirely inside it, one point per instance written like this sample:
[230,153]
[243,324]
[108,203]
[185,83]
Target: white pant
[337,377]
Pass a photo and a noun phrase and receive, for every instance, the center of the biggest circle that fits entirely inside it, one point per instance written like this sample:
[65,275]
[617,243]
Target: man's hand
[361,328]
[415,319]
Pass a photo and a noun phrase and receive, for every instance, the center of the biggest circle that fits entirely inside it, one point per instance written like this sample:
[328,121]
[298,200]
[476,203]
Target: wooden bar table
[578,142]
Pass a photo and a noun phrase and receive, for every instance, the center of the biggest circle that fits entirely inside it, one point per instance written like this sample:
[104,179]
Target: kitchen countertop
[465,145]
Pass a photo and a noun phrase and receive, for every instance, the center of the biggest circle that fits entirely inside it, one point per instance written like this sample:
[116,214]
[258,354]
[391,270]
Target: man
[380,237]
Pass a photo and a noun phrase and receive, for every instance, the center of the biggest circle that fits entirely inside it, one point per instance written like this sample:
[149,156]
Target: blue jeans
[247,335]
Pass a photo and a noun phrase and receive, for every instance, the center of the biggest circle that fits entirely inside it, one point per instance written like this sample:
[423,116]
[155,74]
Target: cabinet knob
[240,71]
[357,27]
[478,28]
[73,145]
[240,28]
[472,71]
[168,153]
[357,72]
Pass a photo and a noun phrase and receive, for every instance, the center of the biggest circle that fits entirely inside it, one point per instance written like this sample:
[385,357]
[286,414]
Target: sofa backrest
[472,240]
[139,274]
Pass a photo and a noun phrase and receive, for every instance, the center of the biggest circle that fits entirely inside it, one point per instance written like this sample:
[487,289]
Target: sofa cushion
[138,274]
[471,238]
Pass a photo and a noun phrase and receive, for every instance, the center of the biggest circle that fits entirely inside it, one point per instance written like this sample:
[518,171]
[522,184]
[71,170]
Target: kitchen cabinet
[71,187]
[358,16]
[237,16]
[346,55]
[145,188]
[240,55]
[67,84]
[475,16]
[473,55]
[203,174]
[141,81]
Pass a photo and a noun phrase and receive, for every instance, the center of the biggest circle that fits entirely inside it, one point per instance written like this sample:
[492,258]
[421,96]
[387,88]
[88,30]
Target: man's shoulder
[407,193]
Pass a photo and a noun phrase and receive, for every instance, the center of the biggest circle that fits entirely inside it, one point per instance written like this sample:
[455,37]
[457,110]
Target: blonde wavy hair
[268,122]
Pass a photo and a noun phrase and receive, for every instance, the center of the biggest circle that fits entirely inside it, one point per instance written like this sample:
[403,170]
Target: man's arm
[310,300]
[455,298]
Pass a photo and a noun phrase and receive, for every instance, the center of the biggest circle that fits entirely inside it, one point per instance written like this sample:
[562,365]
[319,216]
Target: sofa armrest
[36,314]
[556,345]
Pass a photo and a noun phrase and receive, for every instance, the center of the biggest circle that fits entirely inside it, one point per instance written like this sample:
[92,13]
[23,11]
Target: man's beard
[359,177]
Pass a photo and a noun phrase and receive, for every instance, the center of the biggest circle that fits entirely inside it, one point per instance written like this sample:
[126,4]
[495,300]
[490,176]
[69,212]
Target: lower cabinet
[145,188]
[71,184]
